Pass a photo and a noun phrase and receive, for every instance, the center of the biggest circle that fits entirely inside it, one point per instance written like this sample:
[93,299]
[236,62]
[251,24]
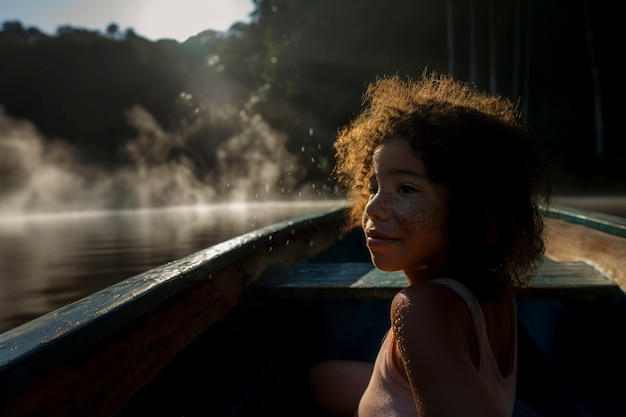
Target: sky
[150,19]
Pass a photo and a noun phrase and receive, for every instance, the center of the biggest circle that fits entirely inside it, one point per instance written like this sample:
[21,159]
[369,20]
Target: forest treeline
[301,67]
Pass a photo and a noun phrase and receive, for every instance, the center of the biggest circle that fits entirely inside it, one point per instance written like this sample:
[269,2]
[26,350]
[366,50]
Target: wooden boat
[232,329]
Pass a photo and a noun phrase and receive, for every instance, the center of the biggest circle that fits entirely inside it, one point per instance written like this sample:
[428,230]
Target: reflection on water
[47,261]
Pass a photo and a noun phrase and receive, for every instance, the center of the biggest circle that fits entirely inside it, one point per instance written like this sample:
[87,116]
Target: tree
[113,31]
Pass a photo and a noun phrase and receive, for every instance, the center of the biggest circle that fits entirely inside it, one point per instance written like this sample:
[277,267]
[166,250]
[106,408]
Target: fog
[40,174]
[46,175]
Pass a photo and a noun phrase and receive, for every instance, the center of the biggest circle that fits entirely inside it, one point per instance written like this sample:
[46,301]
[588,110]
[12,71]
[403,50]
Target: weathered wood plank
[361,280]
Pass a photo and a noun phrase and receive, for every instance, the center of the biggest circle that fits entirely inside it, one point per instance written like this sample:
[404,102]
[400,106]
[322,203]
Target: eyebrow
[399,171]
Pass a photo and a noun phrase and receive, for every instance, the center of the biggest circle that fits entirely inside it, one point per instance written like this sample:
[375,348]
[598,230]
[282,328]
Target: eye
[407,189]
[373,186]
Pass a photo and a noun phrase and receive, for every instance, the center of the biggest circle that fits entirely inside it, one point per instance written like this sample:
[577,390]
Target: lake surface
[48,261]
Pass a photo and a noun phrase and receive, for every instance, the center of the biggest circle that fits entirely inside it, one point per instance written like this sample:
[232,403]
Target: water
[48,261]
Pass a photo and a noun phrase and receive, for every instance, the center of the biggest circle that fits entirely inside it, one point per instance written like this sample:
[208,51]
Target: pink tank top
[389,394]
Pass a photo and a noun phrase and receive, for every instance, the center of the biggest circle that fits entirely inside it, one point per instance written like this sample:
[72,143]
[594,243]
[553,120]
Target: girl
[446,183]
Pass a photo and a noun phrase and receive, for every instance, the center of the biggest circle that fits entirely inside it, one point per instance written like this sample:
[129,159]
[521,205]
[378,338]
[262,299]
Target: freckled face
[405,220]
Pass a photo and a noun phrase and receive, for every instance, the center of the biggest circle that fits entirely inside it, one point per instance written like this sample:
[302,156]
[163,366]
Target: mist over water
[68,229]
[43,175]
[38,174]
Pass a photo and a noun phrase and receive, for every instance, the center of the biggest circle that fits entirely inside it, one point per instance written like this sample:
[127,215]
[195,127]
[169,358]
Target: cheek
[420,216]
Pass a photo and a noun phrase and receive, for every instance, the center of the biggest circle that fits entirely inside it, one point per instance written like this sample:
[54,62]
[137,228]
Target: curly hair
[478,148]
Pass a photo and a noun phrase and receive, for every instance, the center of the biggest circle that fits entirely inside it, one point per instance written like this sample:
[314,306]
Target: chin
[386,267]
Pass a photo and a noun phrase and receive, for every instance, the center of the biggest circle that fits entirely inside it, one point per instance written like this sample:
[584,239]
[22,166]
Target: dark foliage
[302,65]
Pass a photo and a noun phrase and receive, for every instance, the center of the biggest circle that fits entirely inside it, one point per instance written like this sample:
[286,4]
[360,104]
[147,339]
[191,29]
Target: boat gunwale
[614,225]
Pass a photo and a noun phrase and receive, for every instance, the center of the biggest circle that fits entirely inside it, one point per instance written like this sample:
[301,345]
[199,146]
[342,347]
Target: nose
[378,206]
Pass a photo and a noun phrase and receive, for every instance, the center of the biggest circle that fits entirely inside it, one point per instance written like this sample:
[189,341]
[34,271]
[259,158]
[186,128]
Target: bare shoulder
[429,312]
[431,324]
[426,300]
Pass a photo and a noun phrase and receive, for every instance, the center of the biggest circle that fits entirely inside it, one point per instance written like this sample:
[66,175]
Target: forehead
[397,155]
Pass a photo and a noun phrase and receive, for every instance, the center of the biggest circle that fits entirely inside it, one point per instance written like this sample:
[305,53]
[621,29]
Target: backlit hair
[478,148]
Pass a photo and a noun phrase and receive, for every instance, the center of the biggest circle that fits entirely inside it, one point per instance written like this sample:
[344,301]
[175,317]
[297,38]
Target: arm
[431,324]
[336,386]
